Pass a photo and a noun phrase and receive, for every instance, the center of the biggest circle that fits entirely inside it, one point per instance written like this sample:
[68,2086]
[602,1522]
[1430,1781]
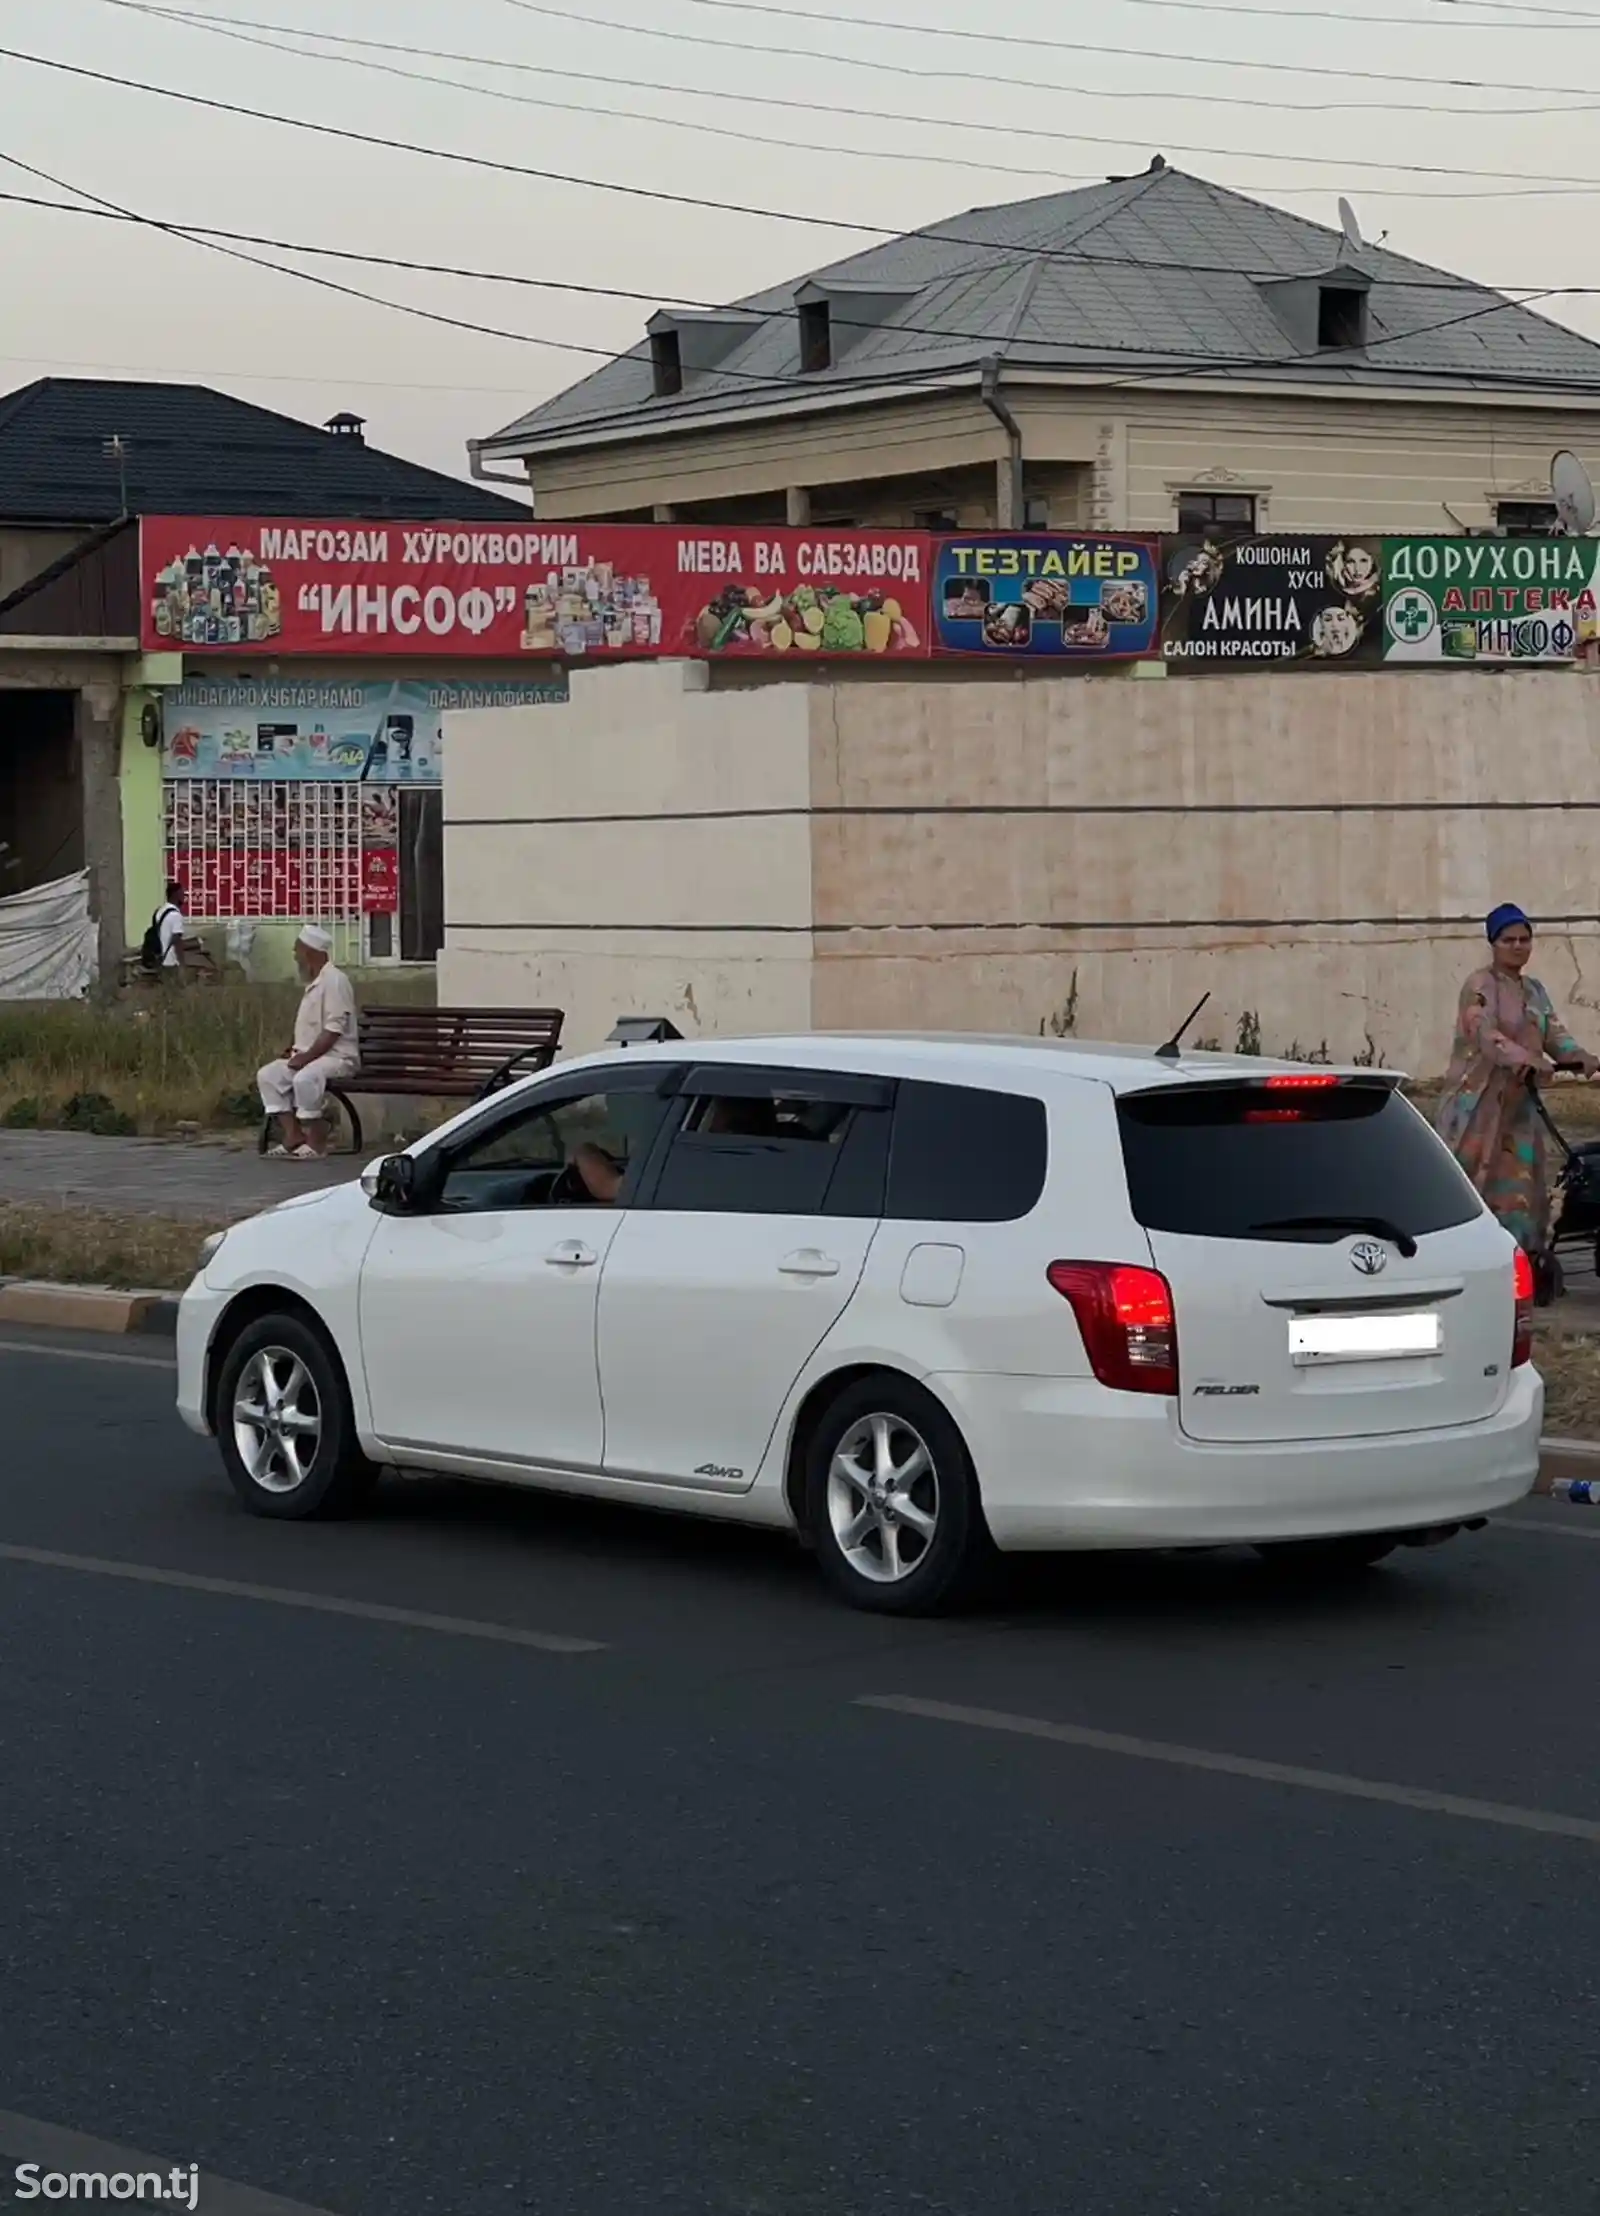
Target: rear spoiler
[1272,1081]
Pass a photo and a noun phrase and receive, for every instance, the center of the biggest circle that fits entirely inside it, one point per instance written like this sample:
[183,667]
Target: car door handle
[572,1254]
[808,1262]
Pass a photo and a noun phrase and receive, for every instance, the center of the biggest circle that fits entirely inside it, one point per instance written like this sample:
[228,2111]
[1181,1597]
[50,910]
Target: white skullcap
[319,941]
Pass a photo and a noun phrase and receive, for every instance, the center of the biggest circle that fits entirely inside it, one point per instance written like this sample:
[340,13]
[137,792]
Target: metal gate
[284,847]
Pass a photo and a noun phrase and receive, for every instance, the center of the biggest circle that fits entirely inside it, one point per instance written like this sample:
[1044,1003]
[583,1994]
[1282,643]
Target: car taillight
[1523,1289]
[1292,1081]
[1130,1333]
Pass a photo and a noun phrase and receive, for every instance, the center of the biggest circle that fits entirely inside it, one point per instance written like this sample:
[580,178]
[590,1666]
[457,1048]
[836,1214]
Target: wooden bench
[443,1054]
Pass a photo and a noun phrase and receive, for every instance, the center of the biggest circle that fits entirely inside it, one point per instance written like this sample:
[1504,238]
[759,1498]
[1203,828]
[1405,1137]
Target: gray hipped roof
[1157,270]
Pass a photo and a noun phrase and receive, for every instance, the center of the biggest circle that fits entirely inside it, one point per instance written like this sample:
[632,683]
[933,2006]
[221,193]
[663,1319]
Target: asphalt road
[383,1912]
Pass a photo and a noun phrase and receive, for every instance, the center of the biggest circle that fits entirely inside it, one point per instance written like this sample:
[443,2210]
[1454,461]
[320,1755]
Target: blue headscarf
[1502,918]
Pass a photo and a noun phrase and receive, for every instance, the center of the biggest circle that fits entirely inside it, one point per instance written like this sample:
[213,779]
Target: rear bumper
[1063,1463]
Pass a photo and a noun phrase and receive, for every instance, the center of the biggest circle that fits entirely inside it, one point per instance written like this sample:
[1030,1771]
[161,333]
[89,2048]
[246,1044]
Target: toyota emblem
[1370,1257]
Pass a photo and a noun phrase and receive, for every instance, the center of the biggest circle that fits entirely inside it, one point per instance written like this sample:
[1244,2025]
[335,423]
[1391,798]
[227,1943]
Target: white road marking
[91,1354]
[55,2150]
[459,1627]
[1238,1765]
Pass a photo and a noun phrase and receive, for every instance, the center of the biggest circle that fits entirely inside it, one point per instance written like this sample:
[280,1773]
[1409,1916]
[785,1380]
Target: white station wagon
[912,1297]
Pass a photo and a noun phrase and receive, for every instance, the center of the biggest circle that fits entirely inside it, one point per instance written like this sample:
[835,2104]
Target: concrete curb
[101,1308]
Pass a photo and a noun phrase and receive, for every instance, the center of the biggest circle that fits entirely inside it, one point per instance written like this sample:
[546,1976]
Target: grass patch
[89,1246]
[151,1060]
[1569,1363]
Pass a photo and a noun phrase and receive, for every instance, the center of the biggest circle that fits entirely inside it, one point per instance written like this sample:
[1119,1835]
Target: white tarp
[47,941]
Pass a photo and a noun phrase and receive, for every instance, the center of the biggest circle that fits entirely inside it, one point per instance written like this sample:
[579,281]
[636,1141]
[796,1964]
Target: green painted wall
[143,827]
[144,860]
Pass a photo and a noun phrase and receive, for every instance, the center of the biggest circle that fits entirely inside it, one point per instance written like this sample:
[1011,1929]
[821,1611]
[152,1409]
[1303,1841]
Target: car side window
[960,1154]
[777,1145]
[575,1149]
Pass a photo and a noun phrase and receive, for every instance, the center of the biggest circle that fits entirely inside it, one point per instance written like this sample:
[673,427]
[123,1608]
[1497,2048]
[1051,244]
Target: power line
[1154,372]
[237,26]
[1013,38]
[697,125]
[114,209]
[209,237]
[108,211]
[1397,338]
[1551,183]
[1564,17]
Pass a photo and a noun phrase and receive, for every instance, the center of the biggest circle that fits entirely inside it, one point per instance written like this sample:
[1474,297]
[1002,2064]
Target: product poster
[323,728]
[1490,600]
[1047,597]
[1282,600]
[294,847]
[250,586]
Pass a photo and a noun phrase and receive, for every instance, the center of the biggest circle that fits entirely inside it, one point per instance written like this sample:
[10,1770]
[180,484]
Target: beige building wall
[1085,854]
[1099,852]
[1117,459]
[1368,465]
[900,439]
[645,850]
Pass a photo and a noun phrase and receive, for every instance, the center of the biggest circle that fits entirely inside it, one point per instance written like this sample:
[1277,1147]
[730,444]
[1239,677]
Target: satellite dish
[1350,227]
[1574,493]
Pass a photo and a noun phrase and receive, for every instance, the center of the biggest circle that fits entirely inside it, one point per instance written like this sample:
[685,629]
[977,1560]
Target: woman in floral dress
[1506,1027]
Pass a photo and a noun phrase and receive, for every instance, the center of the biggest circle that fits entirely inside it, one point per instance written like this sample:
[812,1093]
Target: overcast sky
[85,297]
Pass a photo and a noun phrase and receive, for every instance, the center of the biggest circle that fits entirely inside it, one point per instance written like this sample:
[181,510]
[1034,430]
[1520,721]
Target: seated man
[324,1051]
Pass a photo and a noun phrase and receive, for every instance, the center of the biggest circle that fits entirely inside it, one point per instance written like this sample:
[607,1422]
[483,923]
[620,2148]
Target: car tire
[285,1425]
[1329,1559]
[891,1500]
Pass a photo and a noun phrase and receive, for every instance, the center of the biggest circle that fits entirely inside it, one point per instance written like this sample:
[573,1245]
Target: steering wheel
[569,1190]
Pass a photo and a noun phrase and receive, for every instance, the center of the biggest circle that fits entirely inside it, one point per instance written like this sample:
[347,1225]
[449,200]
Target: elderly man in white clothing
[295,1088]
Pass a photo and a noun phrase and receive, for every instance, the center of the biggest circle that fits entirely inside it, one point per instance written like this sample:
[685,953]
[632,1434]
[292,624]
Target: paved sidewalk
[218,1179]
[204,1178]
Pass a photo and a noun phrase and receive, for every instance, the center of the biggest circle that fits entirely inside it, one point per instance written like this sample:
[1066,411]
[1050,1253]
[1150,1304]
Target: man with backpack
[166,938]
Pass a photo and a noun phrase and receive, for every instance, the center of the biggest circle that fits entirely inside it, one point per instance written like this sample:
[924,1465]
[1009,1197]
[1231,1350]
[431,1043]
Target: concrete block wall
[1095,852]
[644,850]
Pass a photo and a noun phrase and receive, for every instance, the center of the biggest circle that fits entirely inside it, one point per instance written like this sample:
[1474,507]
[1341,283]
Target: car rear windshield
[1246,1162]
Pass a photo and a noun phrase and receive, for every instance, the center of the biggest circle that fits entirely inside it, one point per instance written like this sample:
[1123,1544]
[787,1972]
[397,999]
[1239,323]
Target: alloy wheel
[883,1498]
[277,1420]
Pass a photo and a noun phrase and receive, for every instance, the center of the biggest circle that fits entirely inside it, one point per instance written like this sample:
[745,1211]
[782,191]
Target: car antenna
[1174,1046]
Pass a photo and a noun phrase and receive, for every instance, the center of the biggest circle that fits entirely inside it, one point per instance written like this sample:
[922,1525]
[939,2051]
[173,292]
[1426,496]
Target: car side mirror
[394,1184]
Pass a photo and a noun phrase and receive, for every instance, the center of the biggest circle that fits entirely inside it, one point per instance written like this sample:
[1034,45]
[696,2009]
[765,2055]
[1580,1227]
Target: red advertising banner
[245,881]
[380,881]
[573,592]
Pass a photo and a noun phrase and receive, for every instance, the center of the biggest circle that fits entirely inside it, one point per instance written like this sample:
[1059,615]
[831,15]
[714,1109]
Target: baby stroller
[1576,1217]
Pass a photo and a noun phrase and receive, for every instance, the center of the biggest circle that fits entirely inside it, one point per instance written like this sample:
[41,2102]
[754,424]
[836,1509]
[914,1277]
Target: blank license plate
[1387,1337]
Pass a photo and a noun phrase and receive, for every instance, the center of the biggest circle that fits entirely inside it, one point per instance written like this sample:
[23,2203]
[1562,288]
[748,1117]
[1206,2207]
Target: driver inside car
[600,1176]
